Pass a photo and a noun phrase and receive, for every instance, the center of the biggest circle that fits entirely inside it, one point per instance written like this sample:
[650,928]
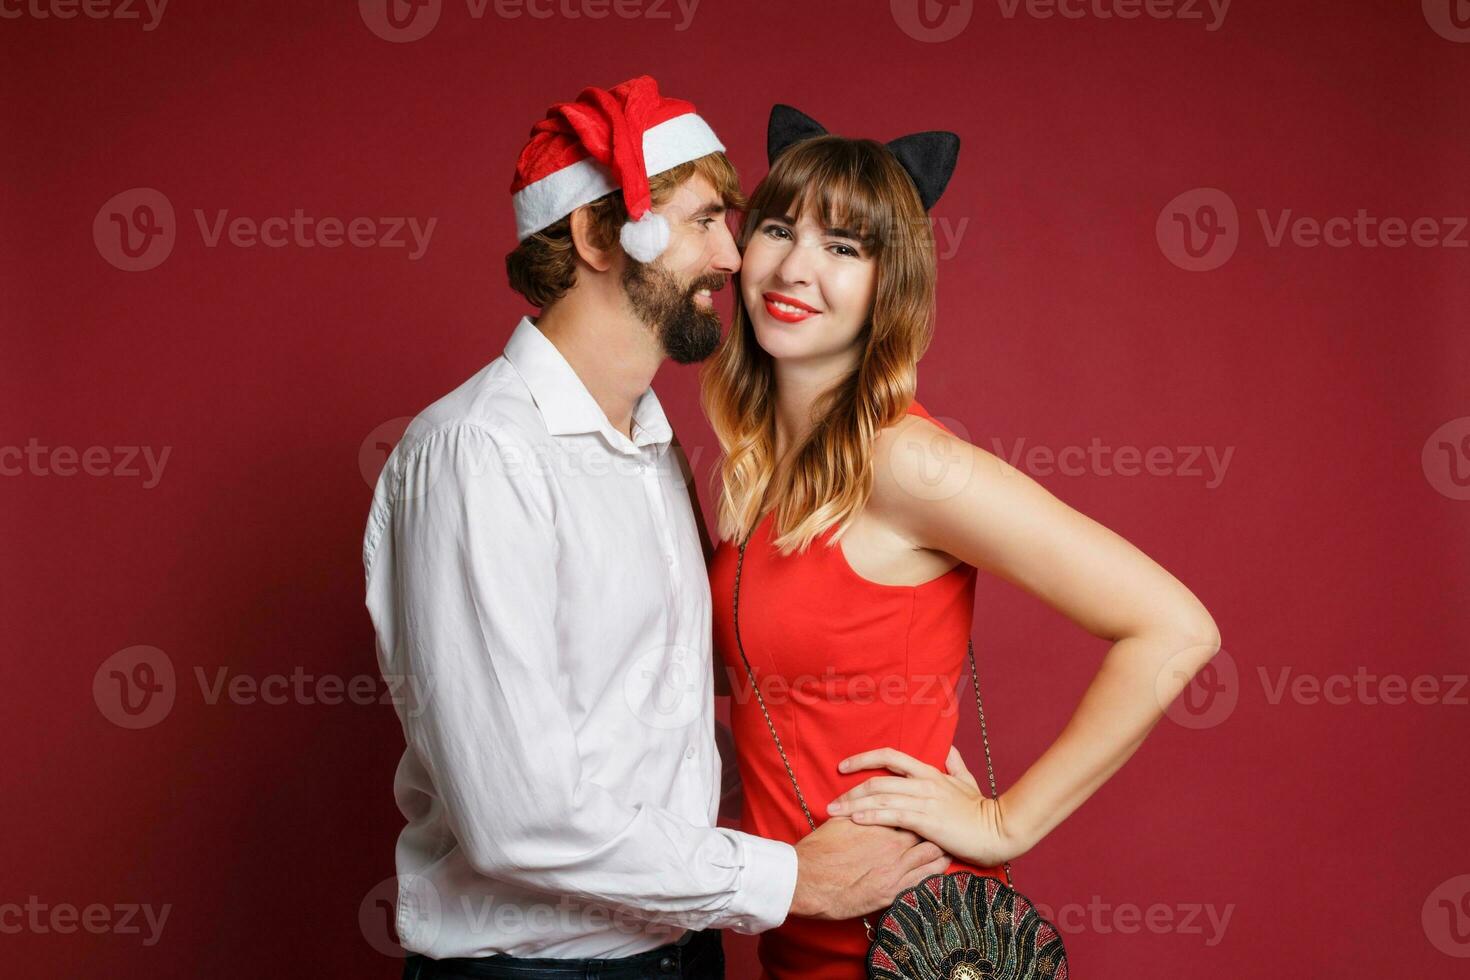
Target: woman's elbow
[1197,634]
[1204,632]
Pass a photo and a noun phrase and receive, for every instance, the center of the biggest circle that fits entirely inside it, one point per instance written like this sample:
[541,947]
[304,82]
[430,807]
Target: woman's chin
[778,343]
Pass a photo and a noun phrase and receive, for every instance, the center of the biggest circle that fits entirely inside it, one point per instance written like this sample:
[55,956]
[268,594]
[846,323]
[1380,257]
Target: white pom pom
[646,238]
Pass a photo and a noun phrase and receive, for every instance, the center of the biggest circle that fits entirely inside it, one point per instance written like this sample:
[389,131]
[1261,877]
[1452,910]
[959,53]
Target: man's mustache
[714,283]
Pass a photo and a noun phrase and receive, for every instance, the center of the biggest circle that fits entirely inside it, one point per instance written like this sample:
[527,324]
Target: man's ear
[584,241]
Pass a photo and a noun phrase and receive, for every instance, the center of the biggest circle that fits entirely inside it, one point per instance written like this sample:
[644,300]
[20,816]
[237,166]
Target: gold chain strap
[755,686]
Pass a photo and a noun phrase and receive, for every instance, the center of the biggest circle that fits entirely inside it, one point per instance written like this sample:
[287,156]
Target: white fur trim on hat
[646,238]
[553,197]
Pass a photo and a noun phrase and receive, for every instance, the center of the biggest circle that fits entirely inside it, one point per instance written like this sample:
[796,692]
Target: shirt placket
[657,485]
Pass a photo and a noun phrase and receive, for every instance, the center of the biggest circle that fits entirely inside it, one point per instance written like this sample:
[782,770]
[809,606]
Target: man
[535,569]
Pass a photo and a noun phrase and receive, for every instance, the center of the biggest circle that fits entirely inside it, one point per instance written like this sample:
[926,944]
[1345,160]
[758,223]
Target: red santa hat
[605,141]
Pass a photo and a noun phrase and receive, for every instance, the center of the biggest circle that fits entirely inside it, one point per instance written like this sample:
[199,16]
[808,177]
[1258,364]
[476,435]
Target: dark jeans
[696,956]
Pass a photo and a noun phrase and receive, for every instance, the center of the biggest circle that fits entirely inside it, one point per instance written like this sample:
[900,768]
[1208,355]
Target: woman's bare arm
[941,493]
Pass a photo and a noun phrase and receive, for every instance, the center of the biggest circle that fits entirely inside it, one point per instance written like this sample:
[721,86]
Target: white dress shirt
[539,591]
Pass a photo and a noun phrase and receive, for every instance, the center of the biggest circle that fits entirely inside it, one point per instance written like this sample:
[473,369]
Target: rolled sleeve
[768,882]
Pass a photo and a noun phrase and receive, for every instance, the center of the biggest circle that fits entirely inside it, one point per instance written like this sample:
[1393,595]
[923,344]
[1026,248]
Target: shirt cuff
[767,884]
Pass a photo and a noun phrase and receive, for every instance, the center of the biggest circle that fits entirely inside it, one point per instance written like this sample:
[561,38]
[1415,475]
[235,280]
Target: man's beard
[688,332]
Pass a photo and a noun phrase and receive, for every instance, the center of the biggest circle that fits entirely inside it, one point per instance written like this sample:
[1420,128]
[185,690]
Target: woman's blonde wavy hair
[851,183]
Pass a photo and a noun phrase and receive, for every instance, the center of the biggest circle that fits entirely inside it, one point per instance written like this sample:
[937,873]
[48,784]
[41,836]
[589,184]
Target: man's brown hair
[544,266]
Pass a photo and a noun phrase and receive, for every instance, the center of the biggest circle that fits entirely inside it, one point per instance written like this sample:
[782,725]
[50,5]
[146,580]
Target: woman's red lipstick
[800,311]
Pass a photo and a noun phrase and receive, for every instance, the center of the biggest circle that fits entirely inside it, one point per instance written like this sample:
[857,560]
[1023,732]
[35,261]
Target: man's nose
[727,256]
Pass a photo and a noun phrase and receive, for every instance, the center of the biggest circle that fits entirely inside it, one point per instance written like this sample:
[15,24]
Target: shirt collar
[567,407]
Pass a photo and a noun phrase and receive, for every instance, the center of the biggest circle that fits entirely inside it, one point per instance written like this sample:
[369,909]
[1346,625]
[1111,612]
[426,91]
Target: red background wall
[1334,545]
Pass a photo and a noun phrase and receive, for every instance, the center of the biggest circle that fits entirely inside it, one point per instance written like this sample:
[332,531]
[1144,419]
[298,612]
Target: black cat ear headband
[929,158]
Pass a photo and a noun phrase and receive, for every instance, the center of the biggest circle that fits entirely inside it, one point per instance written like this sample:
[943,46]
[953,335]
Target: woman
[866,522]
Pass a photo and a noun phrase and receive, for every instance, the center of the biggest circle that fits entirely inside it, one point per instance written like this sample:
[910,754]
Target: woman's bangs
[831,186]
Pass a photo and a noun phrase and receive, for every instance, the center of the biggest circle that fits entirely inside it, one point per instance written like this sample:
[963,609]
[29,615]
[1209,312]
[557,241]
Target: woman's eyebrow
[829,232]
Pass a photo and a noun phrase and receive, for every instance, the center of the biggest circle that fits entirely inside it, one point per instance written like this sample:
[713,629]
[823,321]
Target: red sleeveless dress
[845,665]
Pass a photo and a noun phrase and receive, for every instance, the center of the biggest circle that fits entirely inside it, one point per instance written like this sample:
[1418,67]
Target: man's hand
[844,870]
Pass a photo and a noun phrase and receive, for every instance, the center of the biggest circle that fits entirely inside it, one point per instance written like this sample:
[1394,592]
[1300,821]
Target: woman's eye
[775,231]
[846,250]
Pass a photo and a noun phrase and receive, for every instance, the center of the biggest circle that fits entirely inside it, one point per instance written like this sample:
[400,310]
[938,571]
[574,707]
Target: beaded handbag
[956,926]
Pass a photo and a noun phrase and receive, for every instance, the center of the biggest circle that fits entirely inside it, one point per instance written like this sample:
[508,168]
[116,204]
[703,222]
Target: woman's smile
[787,309]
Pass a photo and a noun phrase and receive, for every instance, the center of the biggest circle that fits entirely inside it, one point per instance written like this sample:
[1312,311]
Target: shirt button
[689,752]
[666,964]
[669,559]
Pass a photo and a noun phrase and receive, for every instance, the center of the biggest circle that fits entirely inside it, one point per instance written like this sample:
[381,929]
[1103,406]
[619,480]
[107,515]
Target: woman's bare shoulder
[918,463]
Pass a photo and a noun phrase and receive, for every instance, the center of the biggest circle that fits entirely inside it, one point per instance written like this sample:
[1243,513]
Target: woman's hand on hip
[947,808]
